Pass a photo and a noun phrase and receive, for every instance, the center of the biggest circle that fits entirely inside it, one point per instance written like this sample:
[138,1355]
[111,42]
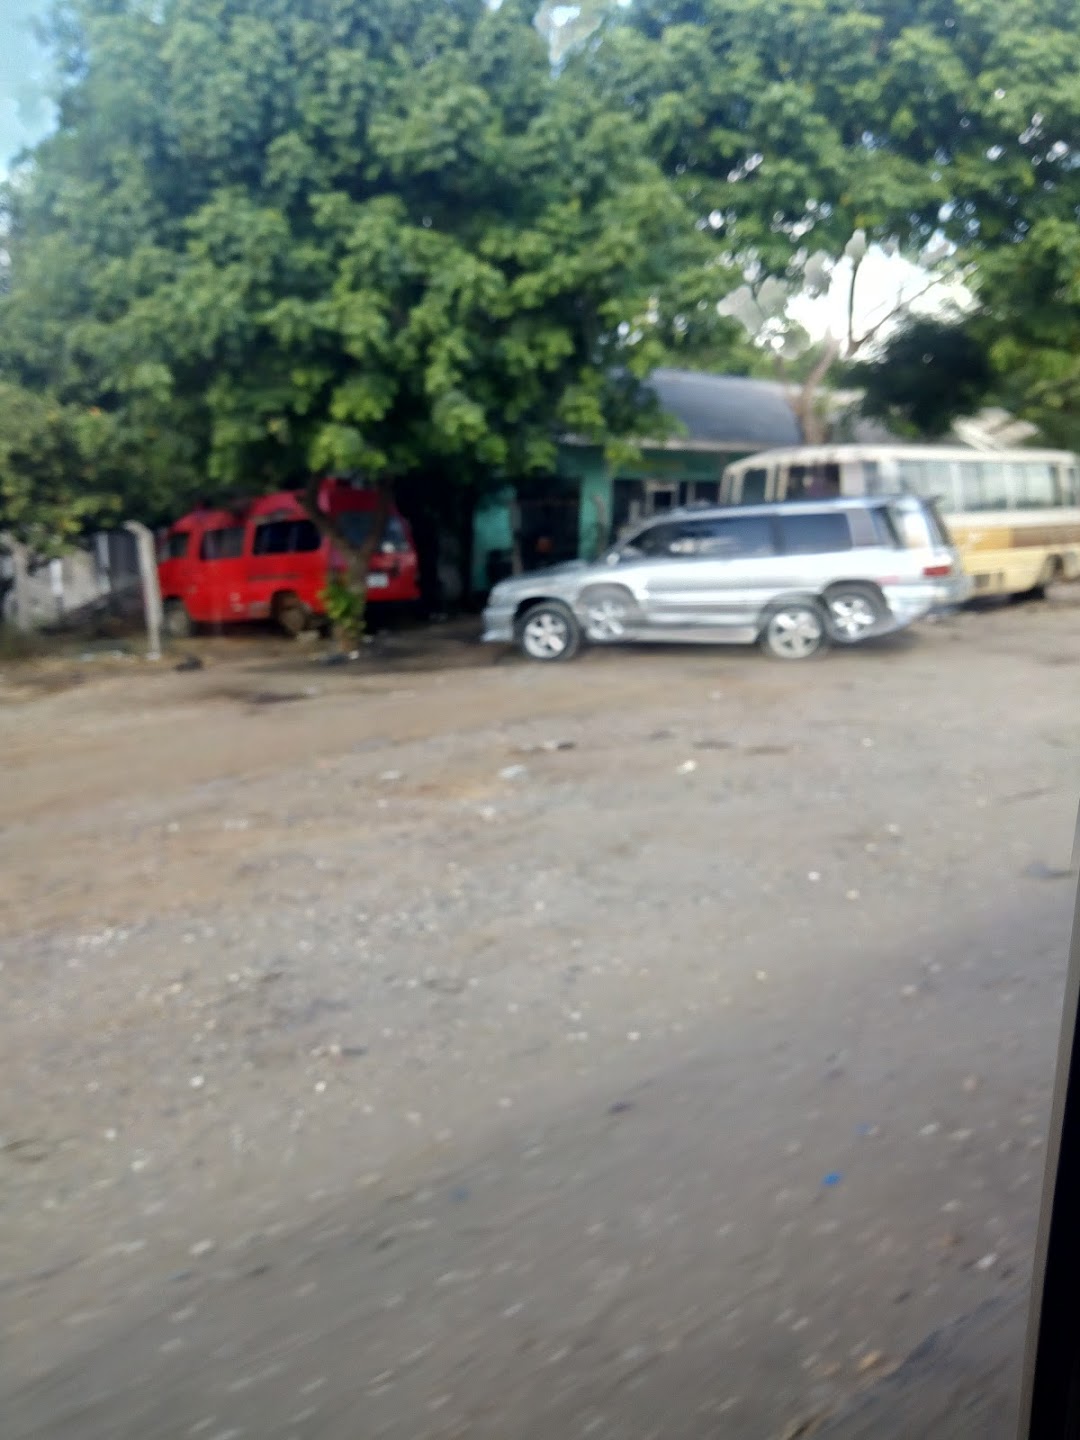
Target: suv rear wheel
[855,611]
[795,631]
[549,631]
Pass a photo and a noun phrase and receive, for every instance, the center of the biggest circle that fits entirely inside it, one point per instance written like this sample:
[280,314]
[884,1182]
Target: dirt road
[658,1045]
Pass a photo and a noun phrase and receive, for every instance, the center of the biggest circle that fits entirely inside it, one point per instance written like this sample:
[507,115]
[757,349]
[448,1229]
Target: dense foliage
[271,236]
[928,372]
[792,124]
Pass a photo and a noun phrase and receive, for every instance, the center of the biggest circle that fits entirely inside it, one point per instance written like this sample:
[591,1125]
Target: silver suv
[790,576]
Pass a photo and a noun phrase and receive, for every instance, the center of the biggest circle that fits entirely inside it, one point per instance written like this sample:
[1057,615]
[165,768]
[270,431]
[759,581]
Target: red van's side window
[175,546]
[286,537]
[227,544]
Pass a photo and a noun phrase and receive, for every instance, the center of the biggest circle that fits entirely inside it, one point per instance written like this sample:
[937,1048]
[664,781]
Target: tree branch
[855,264]
[856,345]
[359,556]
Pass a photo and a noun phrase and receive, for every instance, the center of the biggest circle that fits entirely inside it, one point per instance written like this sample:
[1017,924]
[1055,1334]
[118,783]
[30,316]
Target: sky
[25,111]
[884,282]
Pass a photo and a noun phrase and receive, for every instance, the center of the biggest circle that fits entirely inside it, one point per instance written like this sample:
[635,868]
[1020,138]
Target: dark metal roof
[727,411]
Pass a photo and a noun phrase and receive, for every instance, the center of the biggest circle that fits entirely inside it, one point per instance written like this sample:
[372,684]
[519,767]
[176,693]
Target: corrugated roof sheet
[728,409]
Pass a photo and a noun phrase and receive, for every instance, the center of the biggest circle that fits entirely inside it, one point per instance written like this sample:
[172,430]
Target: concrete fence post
[151,590]
[20,577]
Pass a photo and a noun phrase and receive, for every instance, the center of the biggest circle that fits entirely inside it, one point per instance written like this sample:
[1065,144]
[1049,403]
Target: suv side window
[658,540]
[870,527]
[737,537]
[920,527]
[826,533]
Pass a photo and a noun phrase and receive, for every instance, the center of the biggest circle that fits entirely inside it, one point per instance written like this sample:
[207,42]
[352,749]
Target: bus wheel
[176,620]
[1051,572]
[290,613]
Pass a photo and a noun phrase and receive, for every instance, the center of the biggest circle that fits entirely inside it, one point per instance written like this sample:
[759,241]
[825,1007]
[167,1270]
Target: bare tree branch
[904,303]
[850,348]
[328,525]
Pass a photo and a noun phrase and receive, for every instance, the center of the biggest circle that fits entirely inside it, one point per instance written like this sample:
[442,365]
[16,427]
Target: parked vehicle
[267,559]
[1014,514]
[790,577]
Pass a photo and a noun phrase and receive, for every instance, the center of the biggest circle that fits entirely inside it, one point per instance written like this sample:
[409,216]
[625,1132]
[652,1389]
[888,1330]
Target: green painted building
[578,511]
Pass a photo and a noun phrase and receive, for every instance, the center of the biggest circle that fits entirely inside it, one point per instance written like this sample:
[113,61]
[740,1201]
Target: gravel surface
[656,1045]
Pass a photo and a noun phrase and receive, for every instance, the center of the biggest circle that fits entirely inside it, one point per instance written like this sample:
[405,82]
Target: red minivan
[266,559]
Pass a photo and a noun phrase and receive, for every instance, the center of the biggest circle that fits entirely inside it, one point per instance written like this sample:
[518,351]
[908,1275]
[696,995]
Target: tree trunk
[17,584]
[347,590]
[810,421]
[517,564]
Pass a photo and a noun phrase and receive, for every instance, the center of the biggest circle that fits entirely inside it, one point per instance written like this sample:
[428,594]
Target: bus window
[982,485]
[753,486]
[930,479]
[1070,485]
[826,480]
[817,481]
[871,474]
[939,484]
[911,475]
[995,488]
[1032,484]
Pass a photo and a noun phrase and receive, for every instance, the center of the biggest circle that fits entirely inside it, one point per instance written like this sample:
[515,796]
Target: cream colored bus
[1013,514]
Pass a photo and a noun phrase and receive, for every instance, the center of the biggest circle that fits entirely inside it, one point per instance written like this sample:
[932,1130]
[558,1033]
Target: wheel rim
[795,633]
[606,620]
[853,615]
[546,635]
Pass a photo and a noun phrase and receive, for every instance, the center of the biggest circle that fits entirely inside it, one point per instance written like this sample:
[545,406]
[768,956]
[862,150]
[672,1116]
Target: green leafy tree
[272,238]
[792,125]
[49,484]
[1030,318]
[927,374]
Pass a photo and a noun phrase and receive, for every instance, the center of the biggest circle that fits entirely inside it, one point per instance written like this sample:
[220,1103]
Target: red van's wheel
[177,622]
[290,613]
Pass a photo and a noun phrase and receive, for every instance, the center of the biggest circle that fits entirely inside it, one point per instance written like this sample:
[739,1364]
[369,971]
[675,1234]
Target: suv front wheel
[795,631]
[549,631]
